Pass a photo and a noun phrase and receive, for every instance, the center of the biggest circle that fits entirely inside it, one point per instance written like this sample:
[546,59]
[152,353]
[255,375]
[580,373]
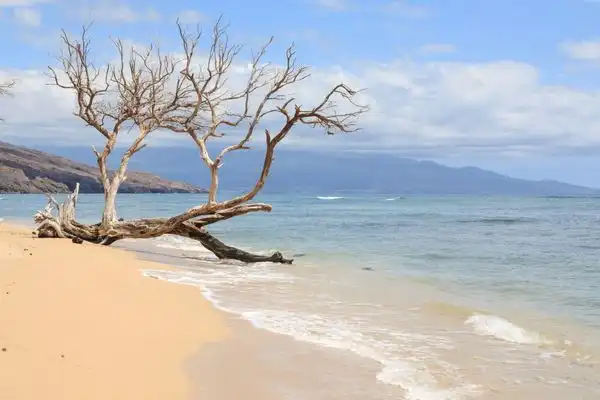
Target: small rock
[62,356]
[7,292]
[77,240]
[4,349]
[30,254]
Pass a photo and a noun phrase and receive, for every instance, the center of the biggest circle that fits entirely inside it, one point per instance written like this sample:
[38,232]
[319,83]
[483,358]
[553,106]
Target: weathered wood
[147,91]
[223,251]
[64,225]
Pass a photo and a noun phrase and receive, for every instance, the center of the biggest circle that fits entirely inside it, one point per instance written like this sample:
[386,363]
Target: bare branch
[5,87]
[143,90]
[266,93]
[146,90]
[5,90]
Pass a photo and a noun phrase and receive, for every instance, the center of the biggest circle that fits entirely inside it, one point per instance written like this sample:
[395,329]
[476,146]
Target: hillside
[24,170]
[327,173]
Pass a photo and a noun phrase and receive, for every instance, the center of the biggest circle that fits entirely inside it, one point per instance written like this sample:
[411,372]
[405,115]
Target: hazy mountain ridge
[24,170]
[326,173]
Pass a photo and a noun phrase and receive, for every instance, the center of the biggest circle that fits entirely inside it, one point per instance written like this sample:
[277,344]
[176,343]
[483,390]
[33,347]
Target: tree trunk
[109,215]
[64,226]
[223,251]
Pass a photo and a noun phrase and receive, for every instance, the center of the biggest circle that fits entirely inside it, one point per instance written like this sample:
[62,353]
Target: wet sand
[81,322]
[267,366]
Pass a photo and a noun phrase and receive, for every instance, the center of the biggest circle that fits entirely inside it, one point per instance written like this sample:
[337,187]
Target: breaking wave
[500,328]
[179,243]
[329,197]
[402,355]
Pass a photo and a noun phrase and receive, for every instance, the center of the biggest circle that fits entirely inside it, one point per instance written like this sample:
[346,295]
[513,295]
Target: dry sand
[81,322]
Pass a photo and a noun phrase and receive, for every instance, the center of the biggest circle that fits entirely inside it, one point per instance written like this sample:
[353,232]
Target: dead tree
[5,88]
[146,91]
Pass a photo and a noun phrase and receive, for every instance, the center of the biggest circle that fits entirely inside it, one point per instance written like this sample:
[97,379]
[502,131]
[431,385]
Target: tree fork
[146,91]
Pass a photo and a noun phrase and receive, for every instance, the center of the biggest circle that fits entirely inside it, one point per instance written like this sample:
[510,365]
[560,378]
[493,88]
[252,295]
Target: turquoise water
[511,281]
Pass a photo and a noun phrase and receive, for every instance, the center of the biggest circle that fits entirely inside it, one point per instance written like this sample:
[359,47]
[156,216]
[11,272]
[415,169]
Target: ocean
[433,297]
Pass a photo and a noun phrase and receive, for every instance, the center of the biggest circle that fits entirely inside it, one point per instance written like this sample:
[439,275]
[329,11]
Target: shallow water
[466,297]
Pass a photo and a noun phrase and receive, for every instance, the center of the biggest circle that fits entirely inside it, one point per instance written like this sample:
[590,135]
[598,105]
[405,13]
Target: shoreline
[82,321]
[282,347]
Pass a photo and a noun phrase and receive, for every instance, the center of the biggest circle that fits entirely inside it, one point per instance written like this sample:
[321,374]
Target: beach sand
[81,322]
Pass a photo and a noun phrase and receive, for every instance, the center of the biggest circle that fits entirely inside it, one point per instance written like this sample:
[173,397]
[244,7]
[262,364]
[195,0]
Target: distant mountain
[329,173]
[24,170]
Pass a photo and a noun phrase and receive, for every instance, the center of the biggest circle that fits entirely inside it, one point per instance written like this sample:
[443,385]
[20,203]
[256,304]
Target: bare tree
[5,88]
[146,91]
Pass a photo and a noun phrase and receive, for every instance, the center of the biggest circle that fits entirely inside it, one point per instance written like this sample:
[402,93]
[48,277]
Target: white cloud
[115,11]
[28,16]
[583,50]
[22,3]
[190,17]
[437,48]
[434,108]
[335,5]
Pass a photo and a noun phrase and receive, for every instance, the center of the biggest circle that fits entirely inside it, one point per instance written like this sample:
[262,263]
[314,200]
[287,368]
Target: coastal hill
[24,170]
[325,174]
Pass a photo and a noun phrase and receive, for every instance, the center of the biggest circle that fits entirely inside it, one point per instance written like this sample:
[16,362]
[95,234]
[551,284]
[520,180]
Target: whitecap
[500,328]
[329,197]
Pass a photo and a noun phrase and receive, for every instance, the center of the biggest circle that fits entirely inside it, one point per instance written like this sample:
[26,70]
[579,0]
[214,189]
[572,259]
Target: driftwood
[57,220]
[146,91]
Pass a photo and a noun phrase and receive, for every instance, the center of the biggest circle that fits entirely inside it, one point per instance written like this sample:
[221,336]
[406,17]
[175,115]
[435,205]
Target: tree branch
[147,91]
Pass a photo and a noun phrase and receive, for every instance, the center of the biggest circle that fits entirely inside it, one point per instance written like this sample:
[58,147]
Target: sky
[508,85]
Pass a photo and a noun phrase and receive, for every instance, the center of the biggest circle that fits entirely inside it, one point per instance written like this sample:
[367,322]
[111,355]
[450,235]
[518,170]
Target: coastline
[324,328]
[81,321]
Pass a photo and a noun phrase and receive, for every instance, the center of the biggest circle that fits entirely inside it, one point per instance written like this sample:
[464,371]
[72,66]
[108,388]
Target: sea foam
[500,328]
[401,355]
[179,243]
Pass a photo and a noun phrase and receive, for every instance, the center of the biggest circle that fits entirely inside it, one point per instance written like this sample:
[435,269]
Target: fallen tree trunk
[64,225]
[223,251]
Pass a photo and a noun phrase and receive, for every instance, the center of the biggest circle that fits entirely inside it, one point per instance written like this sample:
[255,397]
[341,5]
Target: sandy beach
[81,322]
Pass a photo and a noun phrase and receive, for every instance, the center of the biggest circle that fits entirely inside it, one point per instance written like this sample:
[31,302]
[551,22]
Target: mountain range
[326,173]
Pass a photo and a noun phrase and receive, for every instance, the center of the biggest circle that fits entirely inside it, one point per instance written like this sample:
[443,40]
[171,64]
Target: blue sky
[510,85]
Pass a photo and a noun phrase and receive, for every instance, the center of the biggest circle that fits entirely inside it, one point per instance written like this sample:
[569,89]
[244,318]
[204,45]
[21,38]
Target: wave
[394,198]
[329,197]
[500,328]
[406,372]
[179,243]
[497,220]
[402,355]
